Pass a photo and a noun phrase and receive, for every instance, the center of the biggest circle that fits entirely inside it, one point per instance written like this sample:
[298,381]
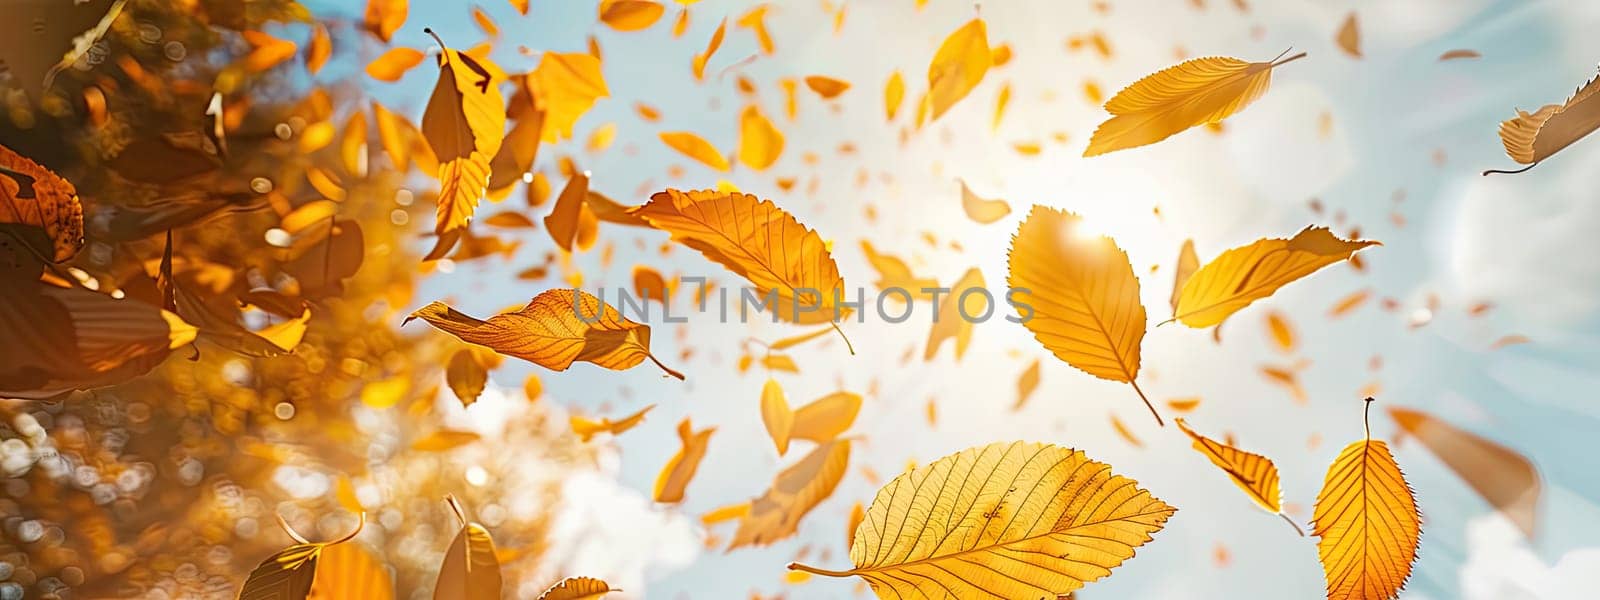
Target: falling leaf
[470,570]
[384,17]
[783,259]
[466,376]
[1367,523]
[1505,478]
[856,515]
[775,414]
[1184,404]
[894,91]
[587,429]
[578,588]
[725,513]
[555,329]
[1509,340]
[958,66]
[1282,333]
[695,147]
[1459,54]
[980,209]
[1288,379]
[957,314]
[1034,520]
[445,439]
[827,87]
[39,209]
[464,125]
[348,570]
[795,491]
[755,20]
[520,148]
[1531,138]
[893,273]
[1001,100]
[1188,263]
[1253,473]
[1197,92]
[394,64]
[824,419]
[760,143]
[484,22]
[1026,384]
[680,469]
[1349,303]
[630,15]
[699,63]
[565,85]
[314,570]
[1243,275]
[562,222]
[791,103]
[319,49]
[1349,36]
[1083,293]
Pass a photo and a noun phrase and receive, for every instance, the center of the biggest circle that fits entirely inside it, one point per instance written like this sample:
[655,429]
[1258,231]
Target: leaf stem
[1366,417]
[847,343]
[293,535]
[815,571]
[669,371]
[1284,61]
[429,31]
[1293,524]
[1503,172]
[455,506]
[361,523]
[1147,403]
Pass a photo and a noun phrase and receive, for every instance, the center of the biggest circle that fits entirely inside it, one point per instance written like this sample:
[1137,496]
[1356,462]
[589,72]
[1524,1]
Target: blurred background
[1482,306]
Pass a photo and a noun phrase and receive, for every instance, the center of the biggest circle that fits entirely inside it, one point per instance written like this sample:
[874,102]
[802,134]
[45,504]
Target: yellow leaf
[1084,295]
[519,150]
[353,145]
[1000,101]
[760,143]
[587,429]
[681,25]
[470,570]
[385,393]
[980,209]
[755,20]
[484,22]
[1253,473]
[725,513]
[680,469]
[1349,36]
[794,492]
[825,418]
[958,66]
[562,222]
[630,15]
[350,571]
[699,63]
[787,262]
[578,588]
[601,137]
[791,104]
[394,64]
[893,273]
[558,327]
[464,125]
[1197,92]
[695,147]
[396,135]
[287,575]
[565,86]
[1282,332]
[532,387]
[314,137]
[520,5]
[320,48]
[1031,521]
[1505,478]
[857,513]
[384,17]
[779,362]
[1243,275]
[957,314]
[1530,138]
[1367,523]
[466,376]
[827,87]
[1026,384]
[775,414]
[444,439]
[893,93]
[1459,53]
[298,573]
[1188,263]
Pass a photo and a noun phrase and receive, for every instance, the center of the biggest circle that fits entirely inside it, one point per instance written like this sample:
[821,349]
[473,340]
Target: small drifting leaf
[384,17]
[1026,384]
[775,414]
[755,20]
[320,48]
[578,588]
[958,66]
[1253,473]
[565,86]
[1459,54]
[695,147]
[464,125]
[825,418]
[980,209]
[470,570]
[1243,275]
[1188,263]
[1198,92]
[680,469]
[760,143]
[894,91]
[630,15]
[698,66]
[1281,331]
[466,376]
[827,87]
[1349,36]
[445,439]
[562,222]
[1509,340]
[956,315]
[587,429]
[1349,303]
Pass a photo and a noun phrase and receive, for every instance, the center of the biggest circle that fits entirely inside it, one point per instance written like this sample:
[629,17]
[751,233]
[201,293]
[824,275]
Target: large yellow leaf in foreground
[1084,295]
[552,332]
[1367,522]
[1004,521]
[1533,137]
[1169,101]
[1249,273]
[756,240]
[464,125]
[1253,473]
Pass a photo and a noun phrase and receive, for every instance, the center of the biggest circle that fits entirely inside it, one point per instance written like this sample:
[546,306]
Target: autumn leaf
[1281,331]
[296,572]
[760,143]
[1253,473]
[384,17]
[38,209]
[470,570]
[958,66]
[755,239]
[445,439]
[695,147]
[319,49]
[1367,523]
[1188,263]
[825,418]
[680,469]
[980,209]
[394,64]
[1243,275]
[564,86]
[558,327]
[464,124]
[825,86]
[755,20]
[587,429]
[1505,478]
[348,570]
[466,376]
[562,222]
[956,315]
[893,273]
[775,414]
[698,65]
[1027,382]
[1030,521]
[1193,93]
[630,15]
[578,588]
[795,491]
[894,91]
[520,148]
[1084,294]
[1531,138]
[1459,53]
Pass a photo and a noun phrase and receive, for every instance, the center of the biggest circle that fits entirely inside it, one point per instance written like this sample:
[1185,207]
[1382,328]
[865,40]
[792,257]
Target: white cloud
[1501,566]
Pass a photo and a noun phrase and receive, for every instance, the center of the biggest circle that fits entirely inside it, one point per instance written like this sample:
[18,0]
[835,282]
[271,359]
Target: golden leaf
[825,418]
[470,570]
[958,66]
[1459,53]
[894,91]
[347,571]
[794,492]
[630,15]
[980,209]
[466,376]
[353,145]
[725,513]
[825,86]
[699,63]
[38,209]
[295,573]
[384,17]
[320,48]
[1084,295]
[1505,478]
[1531,138]
[562,222]
[775,414]
[680,469]
[1349,36]
[755,239]
[564,86]
[485,22]
[760,143]
[1031,521]
[519,150]
[695,147]
[1367,523]
[1026,384]
[1243,275]
[755,20]
[587,429]
[1188,263]
[956,316]
[464,125]
[1001,100]
[1196,92]
[445,439]
[1282,332]
[1253,473]
[394,64]
[578,588]
[397,136]
[558,327]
